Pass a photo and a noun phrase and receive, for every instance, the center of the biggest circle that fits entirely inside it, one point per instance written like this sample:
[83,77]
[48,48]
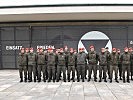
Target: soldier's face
[92,49]
[51,51]
[61,51]
[114,51]
[102,50]
[126,50]
[26,51]
[22,51]
[31,51]
[37,50]
[118,51]
[41,50]
[71,51]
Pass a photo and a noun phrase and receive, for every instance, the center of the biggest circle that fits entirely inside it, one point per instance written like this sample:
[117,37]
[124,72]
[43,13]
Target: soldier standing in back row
[102,65]
[31,65]
[51,62]
[125,59]
[22,61]
[81,61]
[41,65]
[61,65]
[71,64]
[92,60]
[114,58]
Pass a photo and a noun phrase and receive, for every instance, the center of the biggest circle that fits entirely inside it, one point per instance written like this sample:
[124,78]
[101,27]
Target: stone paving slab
[11,89]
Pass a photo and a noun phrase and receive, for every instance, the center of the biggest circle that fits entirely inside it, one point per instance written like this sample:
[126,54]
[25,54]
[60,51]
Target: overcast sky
[45,2]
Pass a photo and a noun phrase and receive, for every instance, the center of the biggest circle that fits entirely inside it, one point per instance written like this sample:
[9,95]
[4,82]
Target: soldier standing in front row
[92,60]
[71,59]
[119,64]
[41,65]
[22,61]
[51,62]
[108,61]
[102,65]
[31,65]
[81,61]
[114,58]
[131,64]
[27,52]
[61,65]
[125,59]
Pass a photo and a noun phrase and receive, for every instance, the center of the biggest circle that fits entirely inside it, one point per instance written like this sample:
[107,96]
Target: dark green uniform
[120,66]
[41,66]
[108,63]
[51,62]
[92,60]
[114,58]
[22,61]
[31,66]
[61,66]
[131,65]
[81,61]
[125,59]
[71,59]
[102,66]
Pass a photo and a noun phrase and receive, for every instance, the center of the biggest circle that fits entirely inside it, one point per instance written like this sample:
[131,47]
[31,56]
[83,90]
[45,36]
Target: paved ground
[11,89]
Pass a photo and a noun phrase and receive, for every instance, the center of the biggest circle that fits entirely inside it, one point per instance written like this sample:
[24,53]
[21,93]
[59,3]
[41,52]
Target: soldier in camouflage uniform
[22,61]
[92,60]
[126,59]
[86,65]
[51,61]
[27,52]
[114,58]
[131,64]
[81,61]
[41,65]
[71,64]
[37,51]
[119,64]
[108,63]
[31,65]
[102,65]
[61,65]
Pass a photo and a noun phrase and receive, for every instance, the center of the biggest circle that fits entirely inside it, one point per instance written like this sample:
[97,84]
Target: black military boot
[53,80]
[34,79]
[124,81]
[117,81]
[88,79]
[49,80]
[120,78]
[44,80]
[131,78]
[78,80]
[64,80]
[68,78]
[83,80]
[110,80]
[105,80]
[21,79]
[100,79]
[128,81]
[95,79]
[25,80]
[30,79]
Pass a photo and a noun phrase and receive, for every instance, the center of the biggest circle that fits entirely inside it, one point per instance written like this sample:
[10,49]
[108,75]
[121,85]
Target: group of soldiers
[49,65]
